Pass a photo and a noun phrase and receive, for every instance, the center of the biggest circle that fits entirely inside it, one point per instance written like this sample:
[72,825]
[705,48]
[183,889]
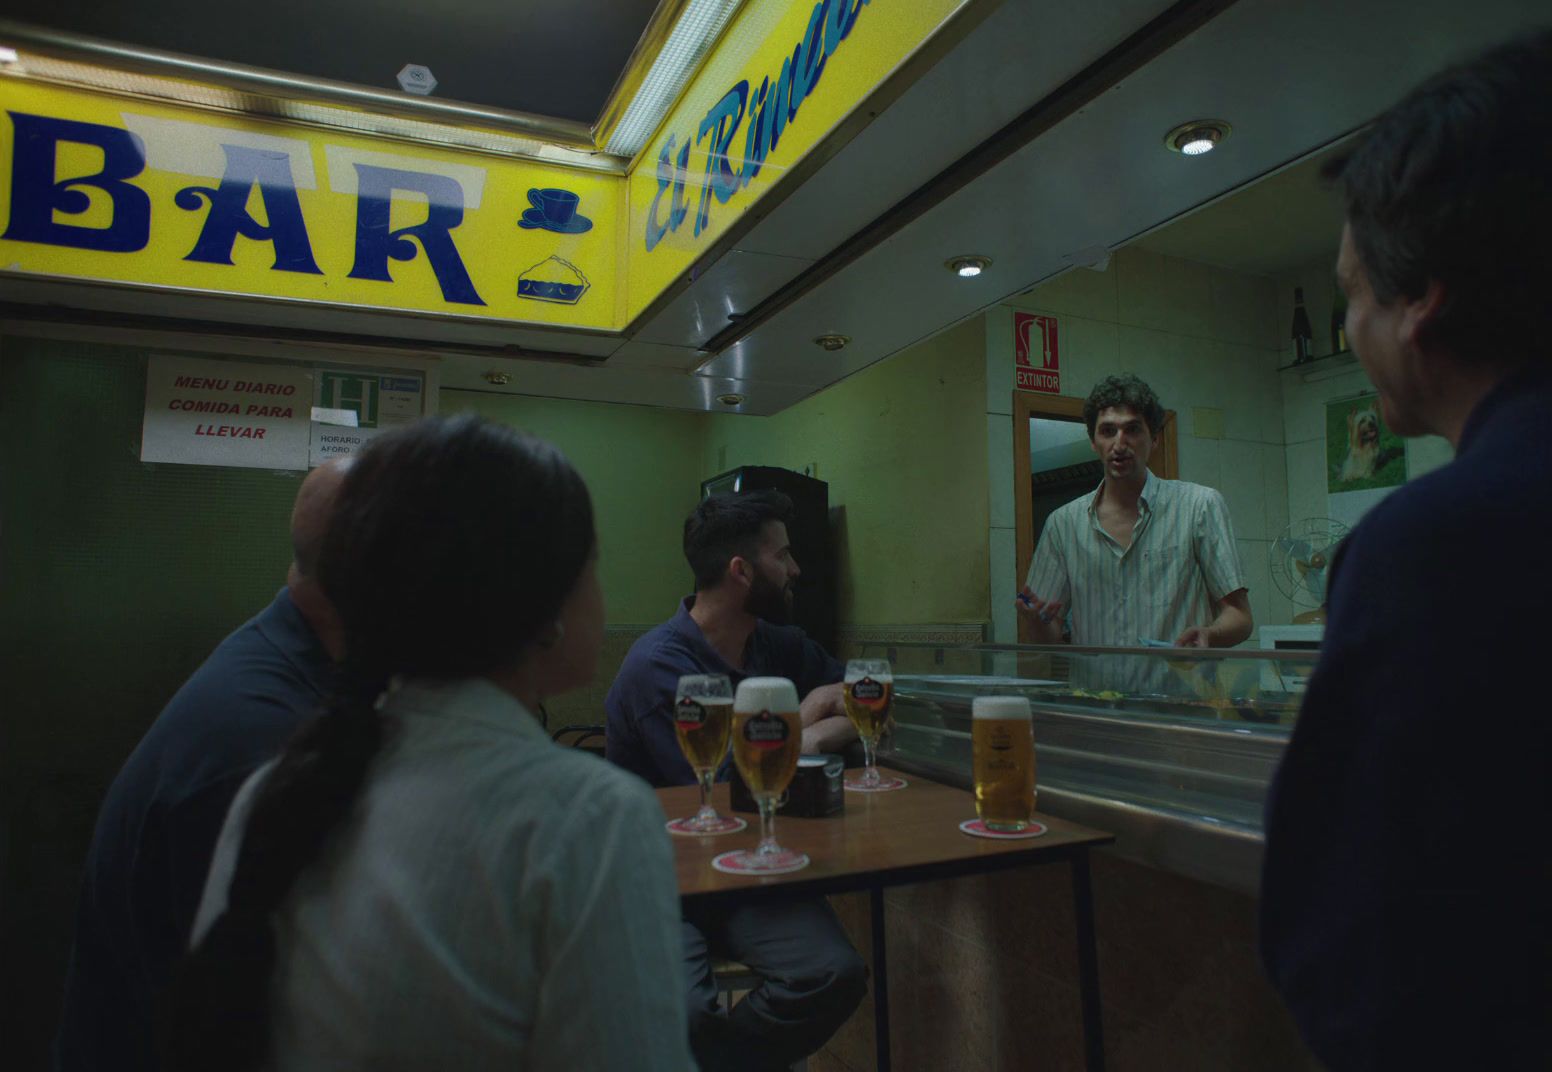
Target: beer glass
[869,688]
[703,721]
[1002,748]
[767,738]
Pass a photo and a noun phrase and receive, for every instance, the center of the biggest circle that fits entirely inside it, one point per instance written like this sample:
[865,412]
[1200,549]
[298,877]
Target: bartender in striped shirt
[1141,558]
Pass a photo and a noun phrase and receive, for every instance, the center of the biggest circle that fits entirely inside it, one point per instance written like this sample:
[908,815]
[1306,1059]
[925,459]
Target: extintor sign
[1036,362]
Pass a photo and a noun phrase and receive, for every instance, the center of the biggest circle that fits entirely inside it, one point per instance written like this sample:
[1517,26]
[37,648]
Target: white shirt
[494,901]
[1181,560]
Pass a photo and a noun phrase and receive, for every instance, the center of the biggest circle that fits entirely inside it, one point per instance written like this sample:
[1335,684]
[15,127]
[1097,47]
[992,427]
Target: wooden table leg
[1088,963]
[880,980]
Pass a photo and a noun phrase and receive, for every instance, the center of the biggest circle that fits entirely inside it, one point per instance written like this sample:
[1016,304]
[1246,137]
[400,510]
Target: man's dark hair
[723,526]
[1124,390]
[1454,184]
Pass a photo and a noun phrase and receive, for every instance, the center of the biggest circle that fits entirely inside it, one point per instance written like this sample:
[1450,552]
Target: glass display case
[1171,749]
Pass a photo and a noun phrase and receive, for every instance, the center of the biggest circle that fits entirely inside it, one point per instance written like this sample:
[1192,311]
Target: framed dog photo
[1362,454]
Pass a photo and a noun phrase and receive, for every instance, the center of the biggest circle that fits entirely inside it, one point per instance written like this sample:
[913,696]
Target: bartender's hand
[1198,636]
[1044,616]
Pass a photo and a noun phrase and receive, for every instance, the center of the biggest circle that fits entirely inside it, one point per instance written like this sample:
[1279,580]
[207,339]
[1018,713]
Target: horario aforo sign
[1036,362]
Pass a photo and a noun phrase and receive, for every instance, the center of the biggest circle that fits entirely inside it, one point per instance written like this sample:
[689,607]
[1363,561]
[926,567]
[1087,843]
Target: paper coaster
[737,863]
[726,824]
[885,785]
[976,828]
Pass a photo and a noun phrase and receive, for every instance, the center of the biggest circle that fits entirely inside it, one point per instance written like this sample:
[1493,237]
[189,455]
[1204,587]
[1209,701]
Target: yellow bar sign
[125,190]
[137,192]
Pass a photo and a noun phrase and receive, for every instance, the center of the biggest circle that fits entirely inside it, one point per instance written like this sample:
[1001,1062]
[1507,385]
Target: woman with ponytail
[422,880]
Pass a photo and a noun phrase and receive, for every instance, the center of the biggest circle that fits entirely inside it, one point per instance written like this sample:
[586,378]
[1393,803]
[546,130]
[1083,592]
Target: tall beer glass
[767,738]
[1002,748]
[869,692]
[703,722]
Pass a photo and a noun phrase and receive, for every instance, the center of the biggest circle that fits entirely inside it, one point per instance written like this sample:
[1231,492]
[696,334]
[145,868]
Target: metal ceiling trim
[894,85]
[296,303]
[639,64]
[266,83]
[15,317]
[1136,51]
[602,135]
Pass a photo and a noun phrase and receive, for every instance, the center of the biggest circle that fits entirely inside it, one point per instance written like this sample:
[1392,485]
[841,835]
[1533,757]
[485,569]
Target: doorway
[1054,464]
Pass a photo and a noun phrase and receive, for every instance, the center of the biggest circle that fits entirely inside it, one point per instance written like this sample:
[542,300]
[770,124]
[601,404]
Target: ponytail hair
[484,532]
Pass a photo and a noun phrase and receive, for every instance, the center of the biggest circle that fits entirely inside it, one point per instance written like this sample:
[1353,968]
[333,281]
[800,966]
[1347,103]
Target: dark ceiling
[552,57]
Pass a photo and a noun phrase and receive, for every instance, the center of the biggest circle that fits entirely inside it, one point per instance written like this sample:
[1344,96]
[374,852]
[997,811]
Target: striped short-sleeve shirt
[1181,560]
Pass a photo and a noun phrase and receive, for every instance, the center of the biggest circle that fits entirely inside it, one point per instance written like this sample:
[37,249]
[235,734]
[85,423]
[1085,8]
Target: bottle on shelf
[1303,337]
[1339,322]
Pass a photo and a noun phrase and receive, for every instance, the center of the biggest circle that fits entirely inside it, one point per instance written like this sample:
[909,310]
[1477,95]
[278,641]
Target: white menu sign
[208,412]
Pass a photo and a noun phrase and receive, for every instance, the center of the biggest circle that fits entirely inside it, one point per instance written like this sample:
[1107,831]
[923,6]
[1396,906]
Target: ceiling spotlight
[968,267]
[499,379]
[832,342]
[731,399]
[1197,137]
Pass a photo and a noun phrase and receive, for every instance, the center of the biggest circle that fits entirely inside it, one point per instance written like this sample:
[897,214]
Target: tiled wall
[983,977]
[1206,340]
[1305,393]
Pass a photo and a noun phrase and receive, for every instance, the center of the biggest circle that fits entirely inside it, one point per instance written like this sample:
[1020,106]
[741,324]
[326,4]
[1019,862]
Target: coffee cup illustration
[553,209]
[553,280]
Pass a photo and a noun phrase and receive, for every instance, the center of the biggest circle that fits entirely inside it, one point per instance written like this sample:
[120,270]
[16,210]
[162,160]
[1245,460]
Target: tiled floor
[983,977]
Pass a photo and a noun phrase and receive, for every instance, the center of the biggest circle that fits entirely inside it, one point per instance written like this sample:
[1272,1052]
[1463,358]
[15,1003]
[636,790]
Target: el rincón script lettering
[768,110]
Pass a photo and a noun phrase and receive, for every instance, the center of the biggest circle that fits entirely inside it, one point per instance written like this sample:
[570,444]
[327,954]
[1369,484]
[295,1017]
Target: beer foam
[1000,707]
[766,694]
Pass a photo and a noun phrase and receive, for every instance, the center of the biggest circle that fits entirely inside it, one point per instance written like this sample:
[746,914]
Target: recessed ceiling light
[969,266]
[1197,137]
[832,342]
[731,399]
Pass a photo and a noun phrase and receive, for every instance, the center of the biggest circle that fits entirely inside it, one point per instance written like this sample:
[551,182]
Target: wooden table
[892,839]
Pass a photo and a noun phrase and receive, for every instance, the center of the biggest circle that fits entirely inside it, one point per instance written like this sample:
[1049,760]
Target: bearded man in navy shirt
[811,979]
[1407,891]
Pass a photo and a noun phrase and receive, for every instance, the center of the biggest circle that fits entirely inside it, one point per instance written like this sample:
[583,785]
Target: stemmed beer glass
[703,721]
[767,738]
[869,694]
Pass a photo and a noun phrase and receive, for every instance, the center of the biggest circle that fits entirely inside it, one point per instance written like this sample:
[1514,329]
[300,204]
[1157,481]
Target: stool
[587,738]
[731,978]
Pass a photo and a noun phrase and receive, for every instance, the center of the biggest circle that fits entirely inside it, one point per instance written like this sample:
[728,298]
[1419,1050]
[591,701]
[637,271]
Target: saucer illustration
[554,210]
[553,280]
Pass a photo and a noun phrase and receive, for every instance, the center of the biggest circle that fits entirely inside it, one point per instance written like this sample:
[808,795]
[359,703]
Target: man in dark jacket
[1405,900]
[158,825]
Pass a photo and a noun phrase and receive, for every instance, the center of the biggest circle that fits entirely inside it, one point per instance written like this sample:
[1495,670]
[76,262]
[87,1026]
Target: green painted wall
[118,577]
[903,448]
[643,468]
